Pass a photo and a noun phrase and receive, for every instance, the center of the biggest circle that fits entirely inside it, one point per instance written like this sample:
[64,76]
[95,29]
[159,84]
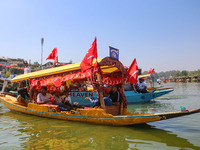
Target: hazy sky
[163,34]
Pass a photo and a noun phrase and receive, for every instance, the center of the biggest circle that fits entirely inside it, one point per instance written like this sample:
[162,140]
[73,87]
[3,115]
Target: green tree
[16,71]
[198,72]
[177,74]
[184,73]
[191,73]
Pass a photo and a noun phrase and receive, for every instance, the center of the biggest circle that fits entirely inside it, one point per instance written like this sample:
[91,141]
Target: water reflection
[152,107]
[31,132]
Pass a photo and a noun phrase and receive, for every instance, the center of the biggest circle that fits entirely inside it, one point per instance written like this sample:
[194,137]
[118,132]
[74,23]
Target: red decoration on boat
[76,75]
[34,82]
[83,75]
[57,82]
[38,88]
[111,81]
[68,77]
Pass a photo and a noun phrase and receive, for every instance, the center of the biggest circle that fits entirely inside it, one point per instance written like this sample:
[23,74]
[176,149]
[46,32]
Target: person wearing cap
[142,86]
[27,69]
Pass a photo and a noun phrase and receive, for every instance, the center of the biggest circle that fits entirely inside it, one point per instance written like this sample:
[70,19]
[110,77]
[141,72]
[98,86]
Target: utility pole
[42,41]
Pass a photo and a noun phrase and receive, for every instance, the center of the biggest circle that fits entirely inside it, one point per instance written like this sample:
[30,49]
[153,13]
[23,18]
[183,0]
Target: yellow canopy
[144,76]
[61,69]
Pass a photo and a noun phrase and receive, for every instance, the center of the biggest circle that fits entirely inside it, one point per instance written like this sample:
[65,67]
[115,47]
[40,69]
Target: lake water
[21,131]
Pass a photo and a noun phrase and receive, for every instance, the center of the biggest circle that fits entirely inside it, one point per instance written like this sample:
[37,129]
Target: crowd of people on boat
[111,95]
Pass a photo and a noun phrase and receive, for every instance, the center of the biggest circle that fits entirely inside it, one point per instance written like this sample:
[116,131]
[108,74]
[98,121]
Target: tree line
[174,74]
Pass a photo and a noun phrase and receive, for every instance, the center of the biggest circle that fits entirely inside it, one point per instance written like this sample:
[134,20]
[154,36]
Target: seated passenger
[107,100]
[58,100]
[115,94]
[57,97]
[68,103]
[67,98]
[141,86]
[44,97]
[22,94]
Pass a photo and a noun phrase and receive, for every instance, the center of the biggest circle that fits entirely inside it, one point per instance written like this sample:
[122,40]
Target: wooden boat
[96,116]
[145,97]
[107,115]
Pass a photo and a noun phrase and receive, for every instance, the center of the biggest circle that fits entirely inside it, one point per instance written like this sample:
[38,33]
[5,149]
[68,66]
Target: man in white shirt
[27,69]
[142,86]
[44,97]
[67,98]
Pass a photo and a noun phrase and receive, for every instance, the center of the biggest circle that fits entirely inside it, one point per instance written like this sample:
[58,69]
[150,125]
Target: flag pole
[42,41]
[101,85]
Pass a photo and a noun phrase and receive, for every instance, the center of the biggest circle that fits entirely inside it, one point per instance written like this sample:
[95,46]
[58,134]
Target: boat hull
[96,116]
[144,97]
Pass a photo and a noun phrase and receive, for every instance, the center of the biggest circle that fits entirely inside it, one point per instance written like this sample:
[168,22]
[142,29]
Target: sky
[160,34]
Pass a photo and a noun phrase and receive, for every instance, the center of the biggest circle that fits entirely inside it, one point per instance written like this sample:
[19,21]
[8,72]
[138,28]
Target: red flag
[53,54]
[153,70]
[132,73]
[150,70]
[96,67]
[56,60]
[90,55]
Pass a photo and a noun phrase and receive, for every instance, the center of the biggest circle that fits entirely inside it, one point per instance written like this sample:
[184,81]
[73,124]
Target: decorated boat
[69,76]
[94,115]
[79,95]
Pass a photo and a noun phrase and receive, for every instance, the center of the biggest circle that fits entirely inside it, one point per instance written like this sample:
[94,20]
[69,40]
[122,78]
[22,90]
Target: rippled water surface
[21,131]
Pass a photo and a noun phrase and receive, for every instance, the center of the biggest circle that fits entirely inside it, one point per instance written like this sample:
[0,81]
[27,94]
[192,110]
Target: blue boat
[131,96]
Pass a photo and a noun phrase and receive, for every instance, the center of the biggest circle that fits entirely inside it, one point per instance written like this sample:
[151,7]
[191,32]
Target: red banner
[111,81]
